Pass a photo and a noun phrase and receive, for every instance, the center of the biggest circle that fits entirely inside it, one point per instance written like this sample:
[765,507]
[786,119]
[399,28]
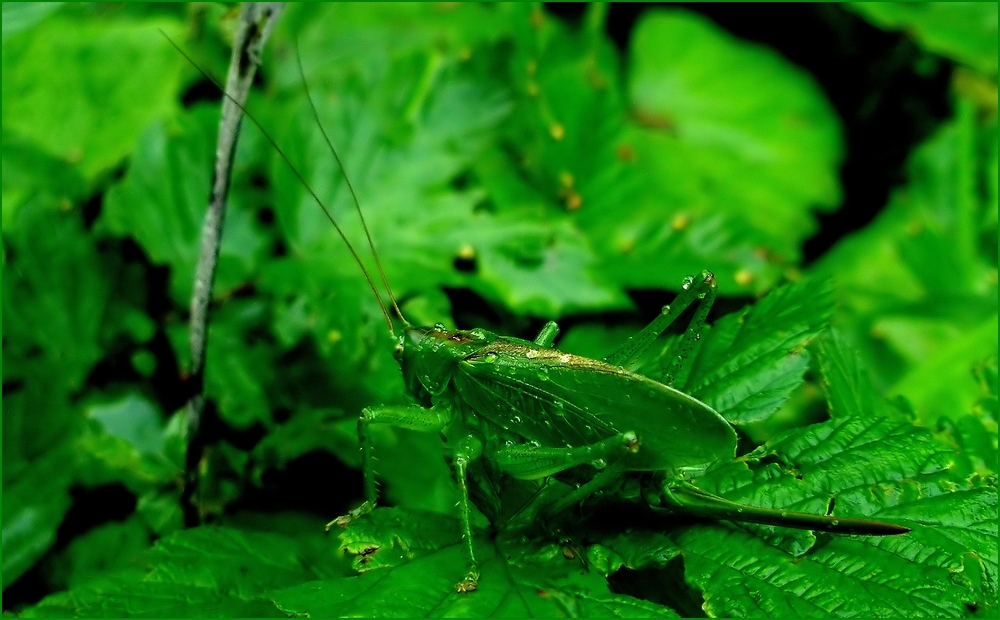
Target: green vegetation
[514,167]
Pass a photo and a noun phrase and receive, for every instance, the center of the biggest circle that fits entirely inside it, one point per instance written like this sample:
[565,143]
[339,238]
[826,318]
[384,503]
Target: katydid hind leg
[676,365]
[411,417]
[468,449]
[686,498]
[698,289]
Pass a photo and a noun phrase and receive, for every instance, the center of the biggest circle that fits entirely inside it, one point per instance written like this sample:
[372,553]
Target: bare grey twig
[257,20]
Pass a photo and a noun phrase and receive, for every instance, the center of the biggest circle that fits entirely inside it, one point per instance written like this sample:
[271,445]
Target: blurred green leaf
[34,505]
[918,280]
[18,16]
[58,292]
[162,200]
[30,174]
[128,443]
[962,31]
[711,112]
[102,551]
[975,434]
[90,112]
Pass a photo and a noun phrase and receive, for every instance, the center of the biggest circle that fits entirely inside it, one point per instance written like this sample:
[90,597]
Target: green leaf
[102,551]
[18,16]
[128,442]
[163,198]
[846,382]
[714,112]
[90,112]
[962,31]
[886,470]
[30,174]
[412,562]
[919,280]
[240,366]
[34,505]
[56,279]
[751,361]
[208,571]
[857,464]
[975,435]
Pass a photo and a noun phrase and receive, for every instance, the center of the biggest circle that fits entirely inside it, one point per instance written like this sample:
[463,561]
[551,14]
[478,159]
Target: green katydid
[532,412]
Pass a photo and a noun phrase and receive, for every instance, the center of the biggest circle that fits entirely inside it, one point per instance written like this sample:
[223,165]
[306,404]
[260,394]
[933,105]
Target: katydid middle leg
[529,463]
[412,417]
[468,449]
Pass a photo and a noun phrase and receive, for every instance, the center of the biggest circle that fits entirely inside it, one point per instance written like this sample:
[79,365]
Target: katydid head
[428,356]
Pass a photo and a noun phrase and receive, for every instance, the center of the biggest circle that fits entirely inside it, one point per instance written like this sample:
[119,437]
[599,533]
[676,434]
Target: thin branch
[257,20]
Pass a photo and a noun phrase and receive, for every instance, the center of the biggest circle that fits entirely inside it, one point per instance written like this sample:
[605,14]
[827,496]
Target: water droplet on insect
[784,513]
[835,522]
[543,373]
[739,510]
[439,327]
[599,464]
[688,281]
[489,358]
[697,336]
[517,419]
[665,310]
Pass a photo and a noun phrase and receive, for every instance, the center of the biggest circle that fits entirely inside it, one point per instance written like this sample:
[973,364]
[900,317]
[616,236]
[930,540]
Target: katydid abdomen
[559,399]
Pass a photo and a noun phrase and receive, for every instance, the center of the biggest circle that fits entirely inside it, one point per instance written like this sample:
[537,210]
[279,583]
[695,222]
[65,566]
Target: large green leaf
[209,571]
[88,113]
[751,361]
[711,114]
[411,563]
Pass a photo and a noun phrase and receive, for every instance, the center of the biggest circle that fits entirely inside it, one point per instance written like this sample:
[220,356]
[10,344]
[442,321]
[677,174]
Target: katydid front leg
[413,417]
[689,499]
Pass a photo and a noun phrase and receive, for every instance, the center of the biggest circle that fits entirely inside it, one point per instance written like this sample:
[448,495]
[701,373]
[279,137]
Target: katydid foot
[345,520]
[470,583]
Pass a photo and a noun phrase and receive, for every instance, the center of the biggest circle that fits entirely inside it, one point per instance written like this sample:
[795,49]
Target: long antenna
[357,259]
[350,185]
